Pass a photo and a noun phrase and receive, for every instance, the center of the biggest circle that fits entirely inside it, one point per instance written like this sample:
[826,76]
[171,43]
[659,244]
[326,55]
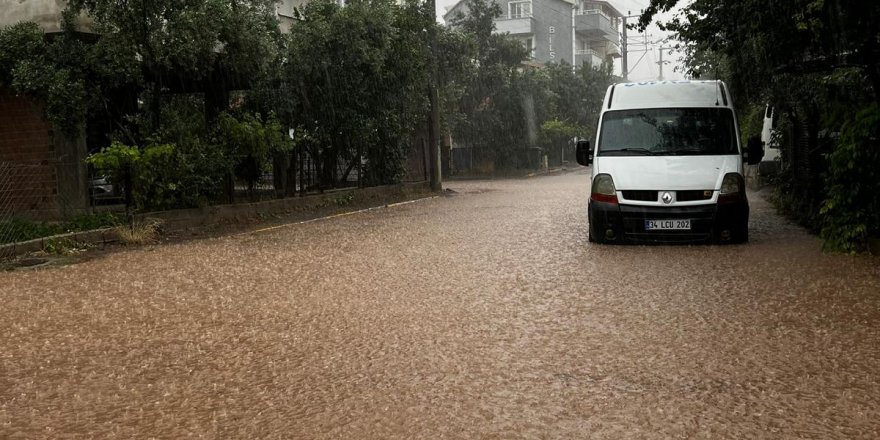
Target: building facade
[577,32]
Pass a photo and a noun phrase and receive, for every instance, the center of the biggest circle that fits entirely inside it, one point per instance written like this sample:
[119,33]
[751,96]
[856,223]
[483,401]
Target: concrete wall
[46,13]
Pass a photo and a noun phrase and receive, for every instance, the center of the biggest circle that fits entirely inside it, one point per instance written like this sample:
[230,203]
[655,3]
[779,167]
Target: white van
[667,165]
[770,163]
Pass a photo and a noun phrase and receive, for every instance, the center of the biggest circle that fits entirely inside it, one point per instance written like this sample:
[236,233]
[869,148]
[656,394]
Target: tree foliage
[213,45]
[359,94]
[251,140]
[51,72]
[851,206]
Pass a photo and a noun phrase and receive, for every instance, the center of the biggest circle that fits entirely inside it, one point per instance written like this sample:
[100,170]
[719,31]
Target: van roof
[654,94]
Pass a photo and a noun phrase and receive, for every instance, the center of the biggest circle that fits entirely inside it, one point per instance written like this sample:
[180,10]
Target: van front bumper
[715,223]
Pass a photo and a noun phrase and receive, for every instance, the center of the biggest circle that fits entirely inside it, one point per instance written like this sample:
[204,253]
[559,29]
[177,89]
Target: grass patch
[144,231]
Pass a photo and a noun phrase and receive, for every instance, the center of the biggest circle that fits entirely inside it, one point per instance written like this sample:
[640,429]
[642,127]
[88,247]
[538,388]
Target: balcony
[597,25]
[589,56]
[515,25]
[613,50]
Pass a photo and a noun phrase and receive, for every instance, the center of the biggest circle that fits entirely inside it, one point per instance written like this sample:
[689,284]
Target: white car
[101,190]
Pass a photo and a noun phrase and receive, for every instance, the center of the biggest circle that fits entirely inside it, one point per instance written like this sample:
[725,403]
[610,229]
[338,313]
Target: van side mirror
[754,151]
[584,154]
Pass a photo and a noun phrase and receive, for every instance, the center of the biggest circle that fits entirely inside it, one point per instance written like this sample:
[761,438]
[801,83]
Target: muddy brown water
[482,315]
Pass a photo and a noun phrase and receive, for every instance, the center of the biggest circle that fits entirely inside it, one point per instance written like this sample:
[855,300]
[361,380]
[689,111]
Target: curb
[329,217]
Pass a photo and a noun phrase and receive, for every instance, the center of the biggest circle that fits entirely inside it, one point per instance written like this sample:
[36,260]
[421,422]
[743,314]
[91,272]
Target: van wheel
[741,235]
[594,238]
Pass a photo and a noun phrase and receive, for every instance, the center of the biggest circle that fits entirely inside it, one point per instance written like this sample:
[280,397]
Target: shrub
[139,232]
[160,176]
[851,209]
[251,140]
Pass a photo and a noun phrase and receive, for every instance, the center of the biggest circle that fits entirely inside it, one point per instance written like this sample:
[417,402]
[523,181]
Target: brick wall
[28,180]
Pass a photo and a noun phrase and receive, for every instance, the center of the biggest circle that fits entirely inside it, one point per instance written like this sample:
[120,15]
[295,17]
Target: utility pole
[624,62]
[434,99]
[661,62]
[624,48]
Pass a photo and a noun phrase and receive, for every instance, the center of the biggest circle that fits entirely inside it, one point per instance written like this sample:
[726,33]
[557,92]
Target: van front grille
[693,195]
[640,195]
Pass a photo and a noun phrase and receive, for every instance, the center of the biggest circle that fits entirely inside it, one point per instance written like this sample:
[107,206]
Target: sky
[642,67]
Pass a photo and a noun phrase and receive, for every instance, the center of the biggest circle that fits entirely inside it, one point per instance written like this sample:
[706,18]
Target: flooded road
[485,314]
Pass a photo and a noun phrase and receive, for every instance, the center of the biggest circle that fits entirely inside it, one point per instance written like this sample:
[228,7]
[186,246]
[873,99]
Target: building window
[519,9]
[529,44]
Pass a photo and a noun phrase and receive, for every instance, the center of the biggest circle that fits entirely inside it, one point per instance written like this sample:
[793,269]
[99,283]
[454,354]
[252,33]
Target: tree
[559,135]
[210,46]
[493,116]
[504,101]
[358,92]
[51,72]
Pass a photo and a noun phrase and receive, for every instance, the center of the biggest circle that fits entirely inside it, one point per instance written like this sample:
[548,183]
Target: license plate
[668,225]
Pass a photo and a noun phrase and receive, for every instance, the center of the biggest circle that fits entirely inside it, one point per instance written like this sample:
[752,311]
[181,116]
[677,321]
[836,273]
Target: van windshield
[668,132]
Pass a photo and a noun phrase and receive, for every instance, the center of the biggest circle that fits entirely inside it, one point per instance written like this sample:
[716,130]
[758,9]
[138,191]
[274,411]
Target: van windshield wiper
[681,152]
[642,151]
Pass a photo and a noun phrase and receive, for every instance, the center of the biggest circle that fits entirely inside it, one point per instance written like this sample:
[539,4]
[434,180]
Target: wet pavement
[481,315]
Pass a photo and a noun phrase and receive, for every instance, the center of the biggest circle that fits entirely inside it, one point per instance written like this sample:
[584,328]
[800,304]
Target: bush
[22,230]
[251,140]
[851,210]
[155,177]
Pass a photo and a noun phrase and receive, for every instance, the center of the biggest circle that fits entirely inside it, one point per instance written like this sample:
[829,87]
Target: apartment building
[575,31]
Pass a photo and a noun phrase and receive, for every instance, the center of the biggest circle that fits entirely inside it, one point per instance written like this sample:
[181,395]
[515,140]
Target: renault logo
[666,197]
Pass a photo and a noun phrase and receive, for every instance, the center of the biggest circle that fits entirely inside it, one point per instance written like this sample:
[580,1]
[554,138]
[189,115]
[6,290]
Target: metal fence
[299,175]
[26,192]
[483,161]
[37,198]
[7,178]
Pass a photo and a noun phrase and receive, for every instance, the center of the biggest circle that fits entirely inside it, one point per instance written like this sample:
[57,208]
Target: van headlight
[603,189]
[733,188]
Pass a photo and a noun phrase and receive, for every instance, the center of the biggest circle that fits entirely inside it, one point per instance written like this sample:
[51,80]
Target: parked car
[103,192]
